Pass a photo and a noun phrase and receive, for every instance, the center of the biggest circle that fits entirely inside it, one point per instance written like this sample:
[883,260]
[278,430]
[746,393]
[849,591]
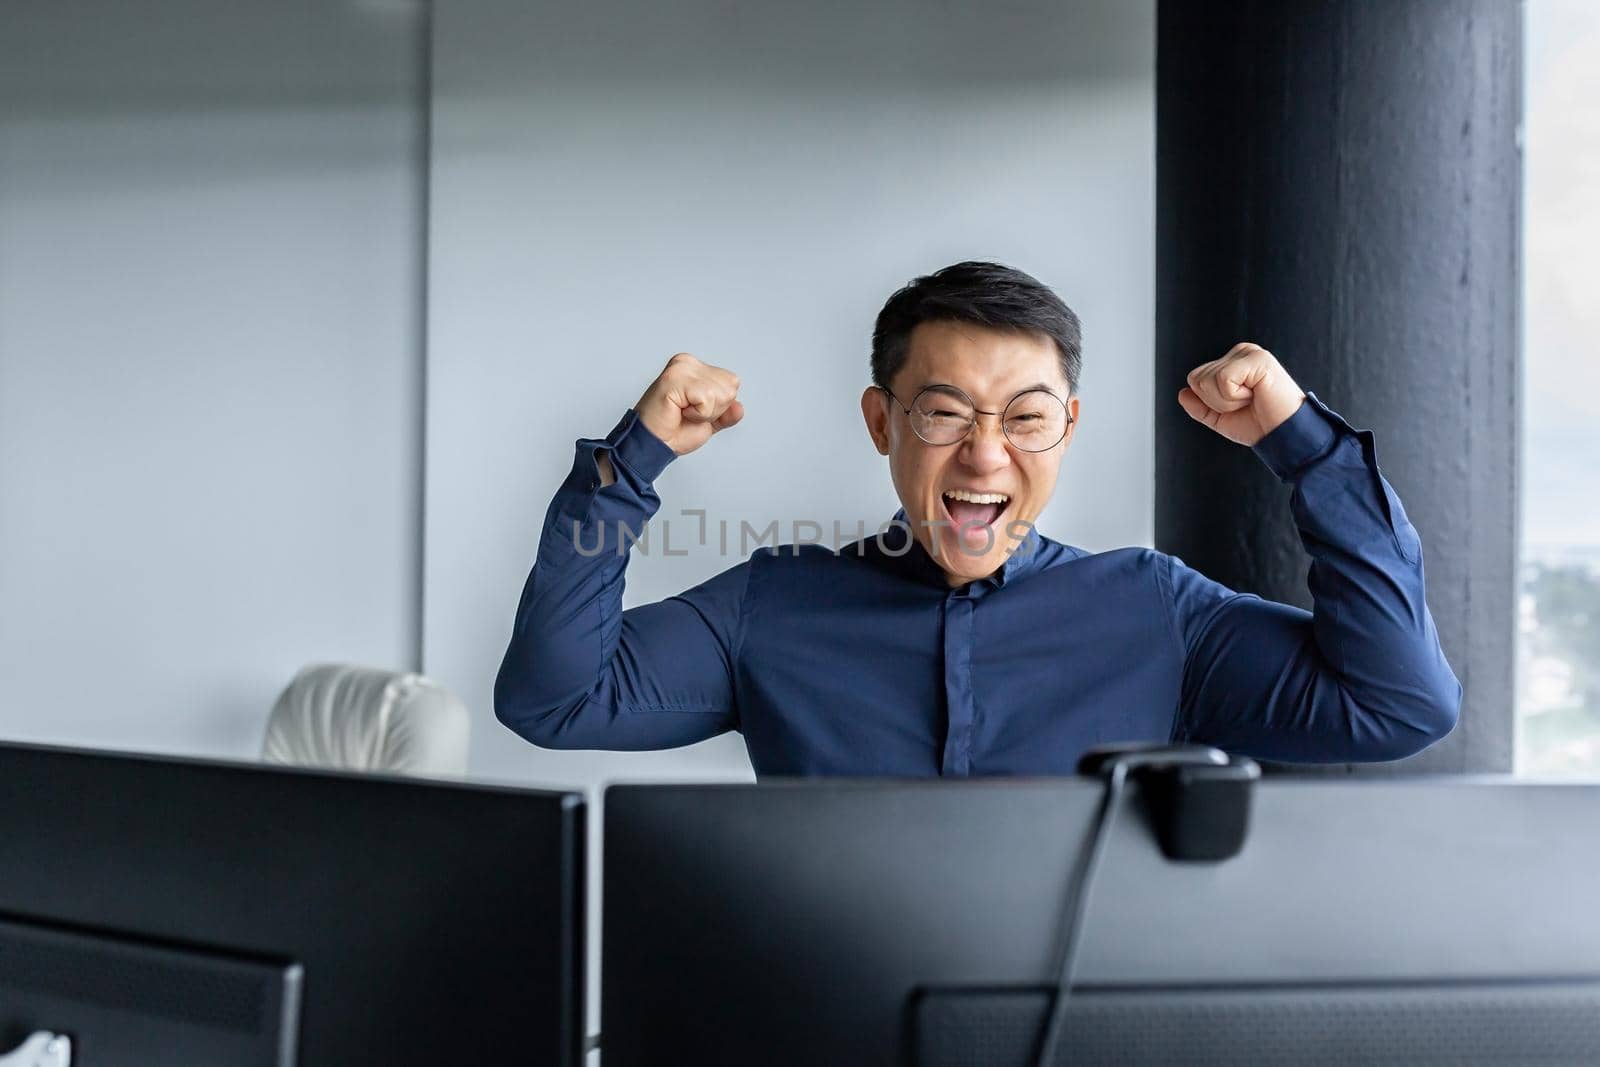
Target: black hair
[985,294]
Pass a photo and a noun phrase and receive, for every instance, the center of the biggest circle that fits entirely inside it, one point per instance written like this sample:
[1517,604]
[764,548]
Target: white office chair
[361,718]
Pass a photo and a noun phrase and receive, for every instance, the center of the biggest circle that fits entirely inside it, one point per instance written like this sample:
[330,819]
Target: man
[960,641]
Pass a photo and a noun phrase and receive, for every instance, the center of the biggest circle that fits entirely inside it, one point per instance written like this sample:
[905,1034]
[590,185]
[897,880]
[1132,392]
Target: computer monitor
[919,923]
[387,920]
[90,997]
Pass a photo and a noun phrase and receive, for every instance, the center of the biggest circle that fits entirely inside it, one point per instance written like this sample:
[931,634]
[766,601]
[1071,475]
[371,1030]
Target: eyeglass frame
[976,411]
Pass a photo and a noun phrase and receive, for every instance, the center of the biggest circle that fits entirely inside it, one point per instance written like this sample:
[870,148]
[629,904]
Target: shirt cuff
[1302,439]
[632,444]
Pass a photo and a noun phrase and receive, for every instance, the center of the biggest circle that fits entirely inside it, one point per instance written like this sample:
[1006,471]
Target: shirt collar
[906,556]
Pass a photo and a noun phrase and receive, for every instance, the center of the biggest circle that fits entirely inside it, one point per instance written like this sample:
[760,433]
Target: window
[1558,678]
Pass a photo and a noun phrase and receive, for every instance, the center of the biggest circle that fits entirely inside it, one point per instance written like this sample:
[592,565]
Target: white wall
[210,352]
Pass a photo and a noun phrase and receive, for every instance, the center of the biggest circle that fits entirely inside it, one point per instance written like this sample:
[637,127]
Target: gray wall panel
[209,361]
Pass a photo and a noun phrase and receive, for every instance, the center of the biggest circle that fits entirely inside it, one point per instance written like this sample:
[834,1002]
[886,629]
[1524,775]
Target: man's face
[969,540]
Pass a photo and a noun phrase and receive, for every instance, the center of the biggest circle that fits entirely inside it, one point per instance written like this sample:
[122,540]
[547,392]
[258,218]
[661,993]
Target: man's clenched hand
[1244,396]
[688,402]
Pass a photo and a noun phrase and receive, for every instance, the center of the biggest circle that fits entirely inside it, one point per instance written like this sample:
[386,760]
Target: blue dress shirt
[864,661]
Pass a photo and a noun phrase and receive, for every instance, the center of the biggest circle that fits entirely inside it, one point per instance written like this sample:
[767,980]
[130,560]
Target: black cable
[1055,1027]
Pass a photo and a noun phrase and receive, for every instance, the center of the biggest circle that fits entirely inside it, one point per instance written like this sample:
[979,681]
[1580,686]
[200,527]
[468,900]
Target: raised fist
[1244,396]
[688,402]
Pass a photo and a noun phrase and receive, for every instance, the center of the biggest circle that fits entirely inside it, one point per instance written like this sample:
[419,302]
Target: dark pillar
[1339,181]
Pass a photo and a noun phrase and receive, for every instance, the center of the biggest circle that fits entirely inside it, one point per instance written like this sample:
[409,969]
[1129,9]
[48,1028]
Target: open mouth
[975,516]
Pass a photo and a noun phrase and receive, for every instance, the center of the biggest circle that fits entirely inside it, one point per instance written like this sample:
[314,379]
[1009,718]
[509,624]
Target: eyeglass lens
[1033,421]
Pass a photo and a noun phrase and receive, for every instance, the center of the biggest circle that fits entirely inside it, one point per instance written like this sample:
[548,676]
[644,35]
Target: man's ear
[875,409]
[1072,427]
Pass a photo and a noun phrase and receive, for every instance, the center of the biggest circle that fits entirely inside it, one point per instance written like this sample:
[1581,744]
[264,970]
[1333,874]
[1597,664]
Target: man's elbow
[1433,716]
[1445,710]
[538,723]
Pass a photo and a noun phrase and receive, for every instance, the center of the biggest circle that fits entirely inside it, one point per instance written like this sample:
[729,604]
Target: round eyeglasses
[1034,421]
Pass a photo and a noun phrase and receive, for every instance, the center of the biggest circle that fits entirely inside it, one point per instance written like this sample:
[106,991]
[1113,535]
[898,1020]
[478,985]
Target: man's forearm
[580,672]
[1362,677]
[567,615]
[1371,618]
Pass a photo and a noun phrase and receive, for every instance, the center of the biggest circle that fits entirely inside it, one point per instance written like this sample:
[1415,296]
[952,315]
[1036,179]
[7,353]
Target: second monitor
[1392,921]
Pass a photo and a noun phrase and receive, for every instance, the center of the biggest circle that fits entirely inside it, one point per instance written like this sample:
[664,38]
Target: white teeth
[976,498]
